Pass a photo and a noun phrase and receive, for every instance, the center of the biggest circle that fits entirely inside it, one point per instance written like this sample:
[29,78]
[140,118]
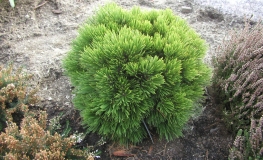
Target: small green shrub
[14,96]
[131,67]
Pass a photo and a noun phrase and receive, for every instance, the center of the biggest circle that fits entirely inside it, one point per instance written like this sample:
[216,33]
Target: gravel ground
[236,7]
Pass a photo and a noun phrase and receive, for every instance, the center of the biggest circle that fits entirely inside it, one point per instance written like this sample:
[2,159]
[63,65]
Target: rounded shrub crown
[130,67]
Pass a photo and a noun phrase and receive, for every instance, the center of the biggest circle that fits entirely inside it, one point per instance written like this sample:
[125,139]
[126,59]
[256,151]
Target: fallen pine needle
[42,4]
[150,150]
[122,153]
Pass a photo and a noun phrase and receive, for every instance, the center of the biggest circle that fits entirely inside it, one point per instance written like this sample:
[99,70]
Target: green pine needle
[134,65]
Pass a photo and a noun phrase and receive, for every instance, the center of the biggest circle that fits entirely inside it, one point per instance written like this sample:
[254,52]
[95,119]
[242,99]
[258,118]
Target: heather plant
[14,96]
[55,126]
[238,76]
[136,71]
[33,141]
[248,145]
[238,81]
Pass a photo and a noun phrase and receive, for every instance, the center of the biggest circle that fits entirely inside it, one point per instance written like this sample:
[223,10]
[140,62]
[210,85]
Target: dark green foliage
[130,66]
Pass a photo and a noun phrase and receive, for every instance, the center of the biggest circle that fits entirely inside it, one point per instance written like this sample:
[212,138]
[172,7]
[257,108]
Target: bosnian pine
[131,67]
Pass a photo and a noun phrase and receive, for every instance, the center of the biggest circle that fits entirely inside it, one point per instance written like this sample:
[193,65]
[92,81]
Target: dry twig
[42,4]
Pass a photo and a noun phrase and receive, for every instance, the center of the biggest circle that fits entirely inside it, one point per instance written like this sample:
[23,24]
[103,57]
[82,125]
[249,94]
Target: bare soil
[37,35]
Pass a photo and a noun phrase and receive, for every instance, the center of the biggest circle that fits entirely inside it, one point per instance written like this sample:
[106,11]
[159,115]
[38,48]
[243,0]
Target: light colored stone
[186,9]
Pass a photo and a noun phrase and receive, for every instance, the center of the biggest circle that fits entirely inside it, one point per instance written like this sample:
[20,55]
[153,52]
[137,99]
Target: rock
[214,130]
[210,13]
[27,16]
[146,2]
[186,9]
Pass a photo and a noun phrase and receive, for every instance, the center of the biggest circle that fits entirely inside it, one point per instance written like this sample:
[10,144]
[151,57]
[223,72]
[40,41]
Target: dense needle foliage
[134,66]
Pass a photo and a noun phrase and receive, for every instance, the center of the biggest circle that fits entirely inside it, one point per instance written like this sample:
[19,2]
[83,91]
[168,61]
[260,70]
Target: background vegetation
[238,80]
[14,96]
[24,133]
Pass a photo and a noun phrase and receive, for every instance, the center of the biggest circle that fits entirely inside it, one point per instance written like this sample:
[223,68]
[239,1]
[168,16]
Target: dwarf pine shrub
[135,69]
[14,96]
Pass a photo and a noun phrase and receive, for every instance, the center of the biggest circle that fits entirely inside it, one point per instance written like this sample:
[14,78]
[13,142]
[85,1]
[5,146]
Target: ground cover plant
[14,95]
[25,133]
[238,80]
[248,144]
[32,140]
[136,70]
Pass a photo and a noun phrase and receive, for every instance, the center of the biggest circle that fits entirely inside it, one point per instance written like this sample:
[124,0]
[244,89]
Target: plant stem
[147,131]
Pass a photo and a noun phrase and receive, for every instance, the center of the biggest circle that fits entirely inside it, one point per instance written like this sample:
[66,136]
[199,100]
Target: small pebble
[27,16]
[213,130]
[186,9]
